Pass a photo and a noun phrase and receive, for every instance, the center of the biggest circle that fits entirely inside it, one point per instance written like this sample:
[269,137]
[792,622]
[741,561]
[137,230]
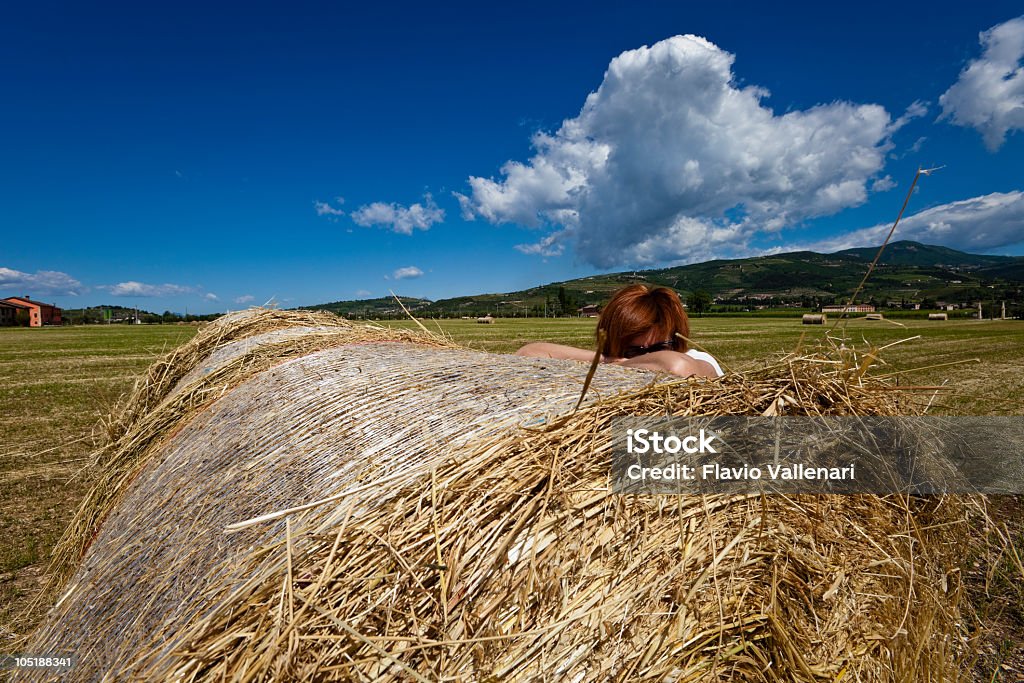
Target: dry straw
[219,357]
[464,529]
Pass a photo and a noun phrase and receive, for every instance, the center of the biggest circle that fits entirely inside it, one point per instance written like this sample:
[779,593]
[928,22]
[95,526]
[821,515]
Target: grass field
[993,385]
[56,383]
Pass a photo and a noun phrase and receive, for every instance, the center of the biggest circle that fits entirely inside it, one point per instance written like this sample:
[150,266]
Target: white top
[707,358]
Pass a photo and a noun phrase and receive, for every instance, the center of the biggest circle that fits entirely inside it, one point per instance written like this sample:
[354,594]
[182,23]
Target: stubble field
[56,384]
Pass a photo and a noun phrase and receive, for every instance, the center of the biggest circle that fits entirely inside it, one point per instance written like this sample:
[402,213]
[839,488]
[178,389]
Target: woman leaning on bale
[644,328]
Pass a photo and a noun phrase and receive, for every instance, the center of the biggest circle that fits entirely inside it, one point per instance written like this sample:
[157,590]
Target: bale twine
[441,513]
[938,316]
[814,319]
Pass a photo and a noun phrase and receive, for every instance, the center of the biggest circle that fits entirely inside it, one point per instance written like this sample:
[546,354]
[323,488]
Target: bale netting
[415,511]
[221,356]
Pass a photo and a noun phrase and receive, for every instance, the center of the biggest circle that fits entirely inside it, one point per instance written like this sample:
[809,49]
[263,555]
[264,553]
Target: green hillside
[906,253]
[908,273]
[381,307]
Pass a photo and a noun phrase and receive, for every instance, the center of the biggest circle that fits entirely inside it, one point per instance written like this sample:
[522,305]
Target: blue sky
[187,155]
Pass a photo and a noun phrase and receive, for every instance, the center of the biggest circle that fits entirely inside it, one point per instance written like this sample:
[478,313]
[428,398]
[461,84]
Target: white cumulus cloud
[407,272]
[132,288]
[39,282]
[245,299]
[398,218]
[976,224]
[989,95]
[210,296]
[670,159]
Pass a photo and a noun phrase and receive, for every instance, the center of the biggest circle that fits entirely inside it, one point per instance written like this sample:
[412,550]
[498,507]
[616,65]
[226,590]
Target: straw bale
[469,533]
[221,356]
[814,319]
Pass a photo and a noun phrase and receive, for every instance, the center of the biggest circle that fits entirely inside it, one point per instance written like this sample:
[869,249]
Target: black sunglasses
[634,351]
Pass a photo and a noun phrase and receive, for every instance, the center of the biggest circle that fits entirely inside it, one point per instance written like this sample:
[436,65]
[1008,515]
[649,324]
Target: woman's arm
[660,361]
[547,350]
[672,362]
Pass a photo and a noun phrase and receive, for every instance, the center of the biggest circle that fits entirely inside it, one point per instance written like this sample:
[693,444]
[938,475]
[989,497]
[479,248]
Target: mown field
[56,384]
[984,360]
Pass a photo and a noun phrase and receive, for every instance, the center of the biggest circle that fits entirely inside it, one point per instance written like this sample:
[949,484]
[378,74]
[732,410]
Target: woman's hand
[673,362]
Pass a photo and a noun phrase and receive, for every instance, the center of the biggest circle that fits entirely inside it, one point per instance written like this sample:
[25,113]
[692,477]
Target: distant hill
[906,253]
[115,313]
[909,272]
[381,307]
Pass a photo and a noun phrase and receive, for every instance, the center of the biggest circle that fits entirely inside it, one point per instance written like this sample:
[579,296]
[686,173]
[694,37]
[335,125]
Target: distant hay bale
[874,316]
[938,316]
[485,319]
[469,531]
[814,319]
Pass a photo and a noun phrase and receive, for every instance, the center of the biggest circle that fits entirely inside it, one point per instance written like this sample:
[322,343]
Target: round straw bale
[814,319]
[438,513]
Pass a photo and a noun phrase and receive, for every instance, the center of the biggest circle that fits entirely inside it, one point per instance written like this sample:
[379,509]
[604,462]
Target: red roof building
[39,314]
[13,314]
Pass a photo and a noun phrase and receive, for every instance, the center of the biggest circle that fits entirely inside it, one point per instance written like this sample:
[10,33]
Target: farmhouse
[589,311]
[855,308]
[13,314]
[39,314]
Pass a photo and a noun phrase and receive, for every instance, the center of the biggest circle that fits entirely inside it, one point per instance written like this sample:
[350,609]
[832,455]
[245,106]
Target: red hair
[636,309]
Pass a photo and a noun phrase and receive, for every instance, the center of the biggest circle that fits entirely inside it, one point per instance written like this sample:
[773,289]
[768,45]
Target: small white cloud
[245,299]
[913,149]
[399,218]
[363,293]
[916,110]
[979,223]
[883,184]
[50,282]
[141,289]
[210,296]
[325,209]
[407,272]
[548,246]
[671,157]
[989,95]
